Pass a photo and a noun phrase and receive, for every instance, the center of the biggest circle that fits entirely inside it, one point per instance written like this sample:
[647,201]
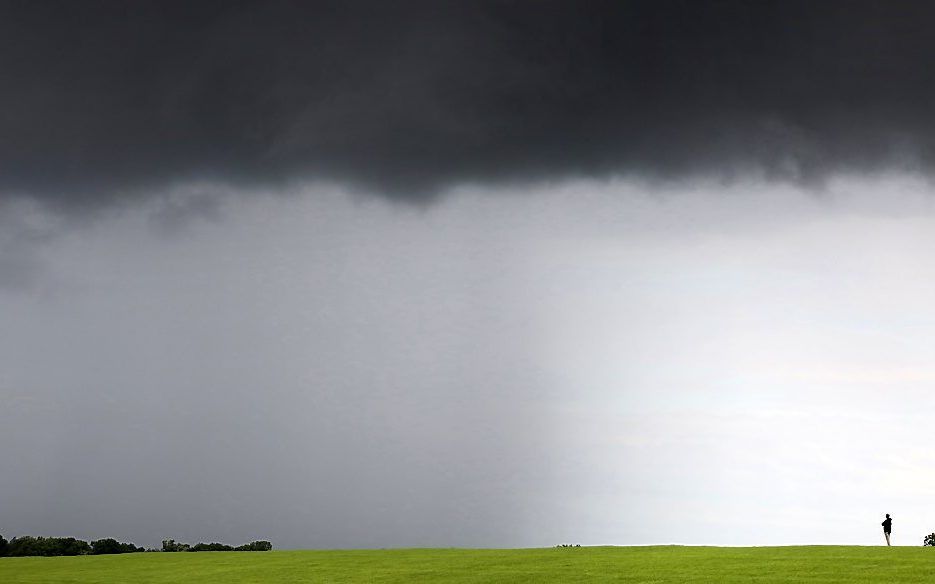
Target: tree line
[170,545]
[28,545]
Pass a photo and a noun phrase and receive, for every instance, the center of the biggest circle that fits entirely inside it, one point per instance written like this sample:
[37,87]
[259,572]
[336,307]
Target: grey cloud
[23,235]
[174,214]
[17,271]
[319,373]
[105,100]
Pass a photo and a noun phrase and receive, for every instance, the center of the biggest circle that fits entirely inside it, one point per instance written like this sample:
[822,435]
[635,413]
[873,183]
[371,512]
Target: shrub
[47,546]
[211,547]
[929,540]
[169,545]
[112,546]
[28,545]
[255,546]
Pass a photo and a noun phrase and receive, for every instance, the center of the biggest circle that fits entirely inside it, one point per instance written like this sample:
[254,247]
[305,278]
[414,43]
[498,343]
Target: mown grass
[656,565]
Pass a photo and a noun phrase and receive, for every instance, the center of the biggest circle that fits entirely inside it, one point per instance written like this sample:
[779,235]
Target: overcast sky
[485,274]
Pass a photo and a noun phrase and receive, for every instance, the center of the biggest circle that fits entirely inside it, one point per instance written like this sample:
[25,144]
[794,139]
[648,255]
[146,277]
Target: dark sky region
[105,99]
[375,274]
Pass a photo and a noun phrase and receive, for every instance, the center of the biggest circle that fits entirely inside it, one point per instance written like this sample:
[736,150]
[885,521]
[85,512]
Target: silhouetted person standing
[887,528]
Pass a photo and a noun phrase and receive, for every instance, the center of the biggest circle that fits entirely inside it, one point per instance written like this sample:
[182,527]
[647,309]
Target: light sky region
[576,361]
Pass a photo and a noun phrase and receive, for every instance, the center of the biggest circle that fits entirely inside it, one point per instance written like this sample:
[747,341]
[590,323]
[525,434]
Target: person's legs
[886,533]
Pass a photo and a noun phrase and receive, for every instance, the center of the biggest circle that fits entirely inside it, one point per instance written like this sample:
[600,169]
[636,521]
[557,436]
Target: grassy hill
[656,565]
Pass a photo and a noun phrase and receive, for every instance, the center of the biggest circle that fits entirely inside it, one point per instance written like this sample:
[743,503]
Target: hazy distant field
[598,564]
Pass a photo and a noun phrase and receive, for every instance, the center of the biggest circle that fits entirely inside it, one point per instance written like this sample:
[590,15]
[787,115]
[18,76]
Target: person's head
[887,515]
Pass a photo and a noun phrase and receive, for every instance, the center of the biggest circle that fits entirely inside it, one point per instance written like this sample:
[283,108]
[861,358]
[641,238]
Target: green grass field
[850,564]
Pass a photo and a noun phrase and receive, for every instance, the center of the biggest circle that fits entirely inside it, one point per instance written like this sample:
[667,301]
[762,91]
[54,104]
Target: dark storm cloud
[103,99]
